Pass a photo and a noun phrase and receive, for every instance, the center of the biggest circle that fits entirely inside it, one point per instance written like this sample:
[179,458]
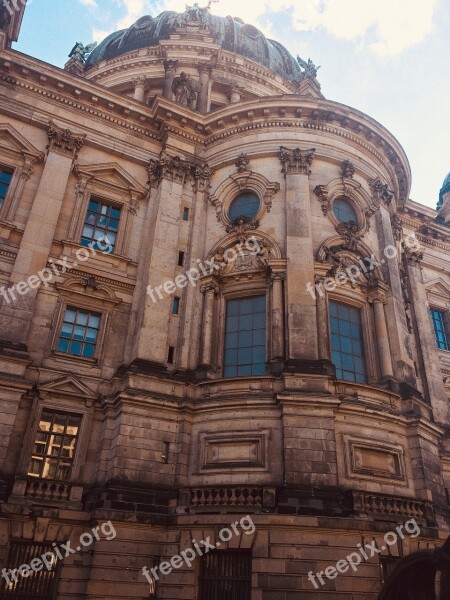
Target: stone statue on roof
[81,52]
[310,69]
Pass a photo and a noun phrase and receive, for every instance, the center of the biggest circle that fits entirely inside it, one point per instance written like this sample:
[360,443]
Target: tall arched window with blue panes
[245,337]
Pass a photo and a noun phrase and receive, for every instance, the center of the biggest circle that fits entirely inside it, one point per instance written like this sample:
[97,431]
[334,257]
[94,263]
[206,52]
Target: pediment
[113,175]
[13,141]
[67,386]
[438,287]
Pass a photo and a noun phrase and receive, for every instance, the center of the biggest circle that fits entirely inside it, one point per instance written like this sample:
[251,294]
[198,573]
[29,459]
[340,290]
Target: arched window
[344,211]
[245,205]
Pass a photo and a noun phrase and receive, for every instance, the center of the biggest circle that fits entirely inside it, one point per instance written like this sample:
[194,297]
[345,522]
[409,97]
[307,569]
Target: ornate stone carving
[413,256]
[347,169]
[176,169]
[321,192]
[170,66]
[183,90]
[133,207]
[296,161]
[242,162]
[397,228]
[210,286]
[406,300]
[377,291]
[243,224]
[349,231]
[194,15]
[90,282]
[205,68]
[63,141]
[381,192]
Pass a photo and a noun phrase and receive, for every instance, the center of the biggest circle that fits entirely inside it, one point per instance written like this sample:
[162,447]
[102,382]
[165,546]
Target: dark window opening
[39,585]
[387,564]
[344,211]
[226,575]
[180,258]
[245,205]
[185,214]
[170,355]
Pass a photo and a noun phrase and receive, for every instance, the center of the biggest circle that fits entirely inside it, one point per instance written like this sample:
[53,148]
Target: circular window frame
[255,217]
[354,204]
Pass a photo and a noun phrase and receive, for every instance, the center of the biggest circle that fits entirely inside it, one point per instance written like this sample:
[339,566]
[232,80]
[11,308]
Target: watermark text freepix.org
[60,552]
[202,547]
[195,273]
[354,559]
[45,276]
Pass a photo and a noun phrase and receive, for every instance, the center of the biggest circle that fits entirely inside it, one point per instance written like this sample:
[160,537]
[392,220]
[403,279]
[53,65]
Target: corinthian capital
[63,141]
[296,161]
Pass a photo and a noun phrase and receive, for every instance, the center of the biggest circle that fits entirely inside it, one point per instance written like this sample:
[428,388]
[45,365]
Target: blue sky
[388,58]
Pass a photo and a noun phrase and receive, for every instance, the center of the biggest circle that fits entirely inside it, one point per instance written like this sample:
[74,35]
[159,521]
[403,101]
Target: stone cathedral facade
[217,301]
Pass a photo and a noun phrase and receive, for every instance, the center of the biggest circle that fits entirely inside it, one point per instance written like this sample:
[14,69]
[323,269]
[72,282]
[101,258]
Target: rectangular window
[347,342]
[171,355]
[100,226]
[5,182]
[226,574]
[185,214]
[245,337]
[79,333]
[54,446]
[176,306]
[387,565]
[180,258]
[40,585]
[440,328]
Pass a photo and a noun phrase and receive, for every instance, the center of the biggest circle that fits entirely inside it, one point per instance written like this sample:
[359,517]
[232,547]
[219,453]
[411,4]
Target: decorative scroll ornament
[321,192]
[242,162]
[347,169]
[243,224]
[381,192]
[296,161]
[63,141]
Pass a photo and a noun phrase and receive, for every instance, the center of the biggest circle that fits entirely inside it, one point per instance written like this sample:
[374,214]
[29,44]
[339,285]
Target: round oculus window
[245,205]
[344,211]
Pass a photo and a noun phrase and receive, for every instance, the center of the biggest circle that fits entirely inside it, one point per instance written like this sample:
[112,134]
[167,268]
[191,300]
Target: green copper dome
[231,34]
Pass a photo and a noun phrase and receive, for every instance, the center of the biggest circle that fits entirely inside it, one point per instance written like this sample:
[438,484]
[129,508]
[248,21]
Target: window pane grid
[5,181]
[54,448]
[100,226]
[439,327]
[245,337]
[79,333]
[346,342]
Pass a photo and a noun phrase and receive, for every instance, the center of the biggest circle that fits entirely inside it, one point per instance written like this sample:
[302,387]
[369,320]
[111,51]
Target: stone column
[15,317]
[323,334]
[205,71]
[170,69]
[139,89]
[430,367]
[209,290]
[278,275]
[377,297]
[301,309]
[168,176]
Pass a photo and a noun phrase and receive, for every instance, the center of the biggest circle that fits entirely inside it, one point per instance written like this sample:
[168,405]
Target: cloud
[89,3]
[387,27]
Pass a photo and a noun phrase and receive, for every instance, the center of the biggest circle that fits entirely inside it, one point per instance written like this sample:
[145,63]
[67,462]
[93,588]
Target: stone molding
[63,141]
[296,161]
[174,168]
